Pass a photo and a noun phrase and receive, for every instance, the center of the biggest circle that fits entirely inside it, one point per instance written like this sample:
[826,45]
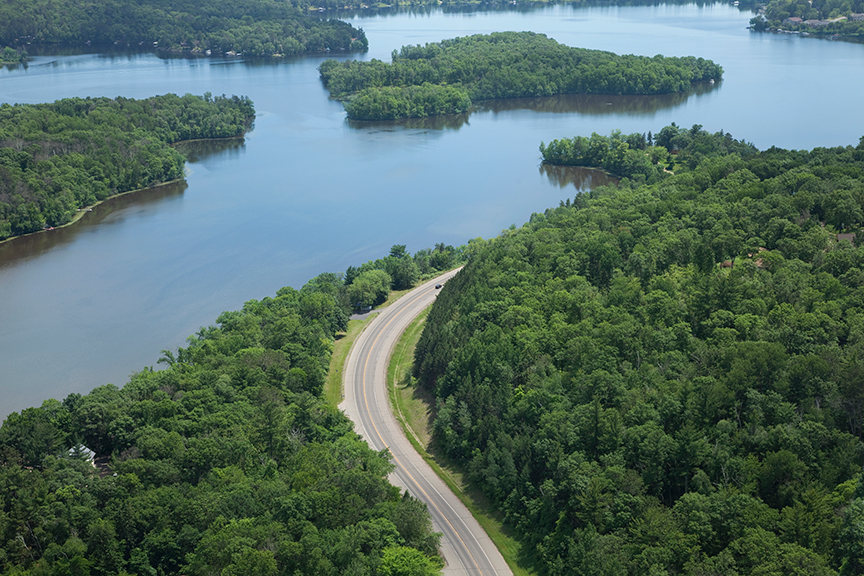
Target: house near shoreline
[820,23]
[848,237]
[793,20]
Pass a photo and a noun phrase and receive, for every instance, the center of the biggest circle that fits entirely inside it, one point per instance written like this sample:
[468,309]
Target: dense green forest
[826,17]
[370,284]
[252,27]
[11,56]
[446,77]
[667,378]
[643,158]
[57,158]
[225,462]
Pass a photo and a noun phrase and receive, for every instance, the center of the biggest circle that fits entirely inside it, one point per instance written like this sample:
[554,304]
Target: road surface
[466,547]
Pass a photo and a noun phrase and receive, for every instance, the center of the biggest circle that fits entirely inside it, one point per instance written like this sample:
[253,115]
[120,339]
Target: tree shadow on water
[199,150]
[598,104]
[581,178]
[443,122]
[108,212]
[585,104]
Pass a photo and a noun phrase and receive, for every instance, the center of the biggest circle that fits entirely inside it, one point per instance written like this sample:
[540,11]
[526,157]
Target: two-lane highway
[466,547]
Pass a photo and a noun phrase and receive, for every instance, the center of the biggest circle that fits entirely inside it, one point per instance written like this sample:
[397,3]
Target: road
[466,547]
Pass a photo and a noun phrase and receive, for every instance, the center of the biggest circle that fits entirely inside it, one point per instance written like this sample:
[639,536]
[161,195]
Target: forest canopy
[447,76]
[9,55]
[225,462]
[251,27]
[57,158]
[643,158]
[667,378]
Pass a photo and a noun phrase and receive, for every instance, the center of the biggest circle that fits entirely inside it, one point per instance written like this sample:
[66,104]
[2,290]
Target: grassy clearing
[333,387]
[414,409]
[341,347]
[413,405]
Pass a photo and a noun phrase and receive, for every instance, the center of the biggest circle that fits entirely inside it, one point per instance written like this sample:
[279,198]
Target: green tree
[369,288]
[402,561]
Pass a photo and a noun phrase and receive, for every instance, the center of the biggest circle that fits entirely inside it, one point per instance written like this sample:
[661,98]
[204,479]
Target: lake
[308,192]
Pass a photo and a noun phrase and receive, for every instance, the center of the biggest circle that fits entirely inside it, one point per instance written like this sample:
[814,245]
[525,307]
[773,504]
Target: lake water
[308,191]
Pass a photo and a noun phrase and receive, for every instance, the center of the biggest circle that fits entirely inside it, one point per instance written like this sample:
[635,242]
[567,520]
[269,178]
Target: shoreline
[84,209]
[179,142]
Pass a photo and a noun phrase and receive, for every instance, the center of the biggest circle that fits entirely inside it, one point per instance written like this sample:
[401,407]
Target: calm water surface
[308,191]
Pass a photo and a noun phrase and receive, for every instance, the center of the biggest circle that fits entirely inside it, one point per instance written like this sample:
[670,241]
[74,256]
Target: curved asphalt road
[466,547]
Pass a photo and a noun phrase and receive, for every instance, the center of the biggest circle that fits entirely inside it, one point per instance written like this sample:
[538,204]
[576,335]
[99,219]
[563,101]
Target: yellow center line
[366,400]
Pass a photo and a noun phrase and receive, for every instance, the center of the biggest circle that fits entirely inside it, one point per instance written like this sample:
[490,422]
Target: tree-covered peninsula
[57,158]
[251,27]
[644,159]
[667,378]
[226,462]
[446,77]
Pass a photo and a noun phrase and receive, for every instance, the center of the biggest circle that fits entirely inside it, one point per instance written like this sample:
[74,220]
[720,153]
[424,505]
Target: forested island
[251,27]
[227,461]
[666,378]
[447,77]
[58,158]
[818,18]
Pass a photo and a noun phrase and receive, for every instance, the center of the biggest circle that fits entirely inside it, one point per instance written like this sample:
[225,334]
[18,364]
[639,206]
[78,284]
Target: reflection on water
[33,245]
[598,104]
[430,10]
[198,150]
[495,7]
[587,104]
[57,56]
[106,50]
[446,122]
[583,179]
